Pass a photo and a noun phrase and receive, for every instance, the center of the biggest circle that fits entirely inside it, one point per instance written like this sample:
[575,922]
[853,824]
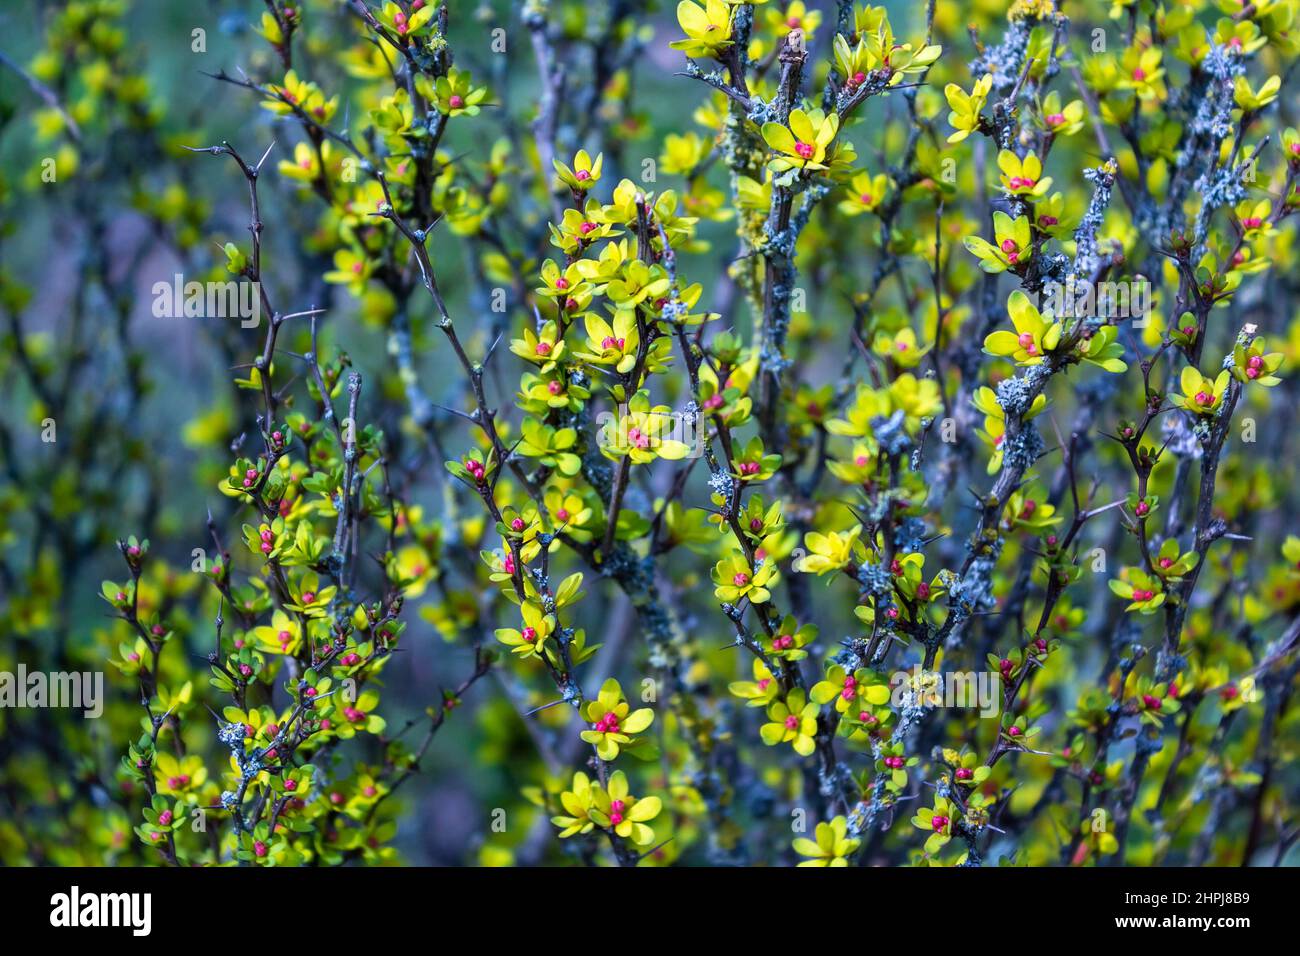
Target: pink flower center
[543,348]
[530,635]
[791,722]
[939,821]
[582,175]
[1139,74]
[456,101]
[616,810]
[517,524]
[608,724]
[740,579]
[1055,119]
[1204,398]
[805,150]
[562,514]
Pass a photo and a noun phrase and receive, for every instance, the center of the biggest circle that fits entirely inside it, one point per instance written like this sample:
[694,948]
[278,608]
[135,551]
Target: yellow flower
[1033,337]
[707,28]
[612,345]
[1201,395]
[305,96]
[735,580]
[1252,100]
[404,24]
[682,154]
[868,404]
[578,803]
[1253,364]
[802,144]
[938,822]
[411,569]
[641,433]
[453,94]
[796,16]
[585,172]
[1062,120]
[832,847]
[763,689]
[282,636]
[1029,510]
[1011,248]
[614,808]
[829,552]
[1023,177]
[351,269]
[965,115]
[792,721]
[179,775]
[305,166]
[846,690]
[612,724]
[916,398]
[540,348]
[900,348]
[569,514]
[1144,592]
[532,639]
[1141,71]
[866,193]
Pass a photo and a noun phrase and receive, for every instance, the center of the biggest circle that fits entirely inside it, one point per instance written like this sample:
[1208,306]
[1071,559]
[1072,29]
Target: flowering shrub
[901,433]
